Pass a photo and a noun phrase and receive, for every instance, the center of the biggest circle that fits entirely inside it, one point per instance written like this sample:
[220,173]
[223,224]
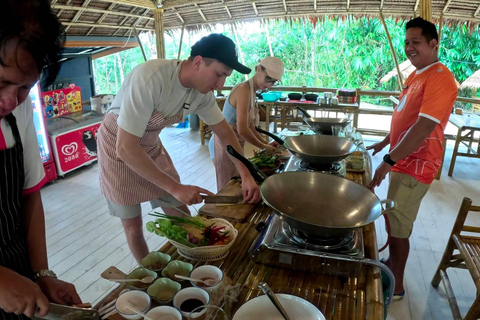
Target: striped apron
[224,167]
[118,182]
[13,244]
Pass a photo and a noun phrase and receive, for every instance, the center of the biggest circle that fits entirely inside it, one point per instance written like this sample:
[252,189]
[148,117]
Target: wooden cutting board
[236,212]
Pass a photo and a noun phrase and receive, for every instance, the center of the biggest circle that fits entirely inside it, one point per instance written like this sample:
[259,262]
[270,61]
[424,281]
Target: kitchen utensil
[260,308]
[147,279]
[209,282]
[323,125]
[338,131]
[209,272]
[222,199]
[316,149]
[60,312]
[269,293]
[136,299]
[337,208]
[188,294]
[140,313]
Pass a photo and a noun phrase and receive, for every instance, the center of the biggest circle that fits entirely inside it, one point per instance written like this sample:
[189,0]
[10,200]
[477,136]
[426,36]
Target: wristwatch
[387,159]
[44,273]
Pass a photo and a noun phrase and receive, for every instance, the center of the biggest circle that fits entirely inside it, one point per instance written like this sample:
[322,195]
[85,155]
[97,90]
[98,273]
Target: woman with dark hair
[31,38]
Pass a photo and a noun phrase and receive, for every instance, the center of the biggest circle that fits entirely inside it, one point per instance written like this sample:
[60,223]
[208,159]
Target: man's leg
[399,249]
[136,242]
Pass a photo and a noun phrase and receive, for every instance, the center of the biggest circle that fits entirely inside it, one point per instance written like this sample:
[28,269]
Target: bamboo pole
[268,39]
[239,47]
[140,43]
[426,9]
[181,42]
[159,34]
[440,31]
[399,74]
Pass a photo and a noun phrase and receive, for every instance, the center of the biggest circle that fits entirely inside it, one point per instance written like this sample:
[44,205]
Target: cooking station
[336,270]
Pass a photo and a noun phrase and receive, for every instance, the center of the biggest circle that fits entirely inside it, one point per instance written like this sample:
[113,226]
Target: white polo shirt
[154,85]
[34,172]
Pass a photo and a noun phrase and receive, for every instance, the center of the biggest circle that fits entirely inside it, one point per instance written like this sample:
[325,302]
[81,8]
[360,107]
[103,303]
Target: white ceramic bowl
[139,300]
[207,272]
[190,293]
[157,312]
[261,308]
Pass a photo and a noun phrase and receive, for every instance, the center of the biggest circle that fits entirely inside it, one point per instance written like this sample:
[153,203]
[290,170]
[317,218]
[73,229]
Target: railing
[381,110]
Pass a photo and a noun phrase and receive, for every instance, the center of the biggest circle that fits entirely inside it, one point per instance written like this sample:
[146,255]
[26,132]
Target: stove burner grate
[319,243]
[329,167]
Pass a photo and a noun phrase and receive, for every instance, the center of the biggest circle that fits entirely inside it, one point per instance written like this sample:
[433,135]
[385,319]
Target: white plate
[261,308]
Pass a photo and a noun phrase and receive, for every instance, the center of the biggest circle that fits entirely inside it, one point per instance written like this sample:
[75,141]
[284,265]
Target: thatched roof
[118,17]
[406,68]
[472,82]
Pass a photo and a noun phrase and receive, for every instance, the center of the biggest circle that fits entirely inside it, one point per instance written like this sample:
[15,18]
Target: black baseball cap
[221,48]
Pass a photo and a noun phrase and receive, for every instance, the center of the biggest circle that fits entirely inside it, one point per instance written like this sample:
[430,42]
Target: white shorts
[135,210]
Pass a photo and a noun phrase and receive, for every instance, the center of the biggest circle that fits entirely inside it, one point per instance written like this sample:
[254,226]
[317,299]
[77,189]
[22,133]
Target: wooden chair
[468,257]
[476,108]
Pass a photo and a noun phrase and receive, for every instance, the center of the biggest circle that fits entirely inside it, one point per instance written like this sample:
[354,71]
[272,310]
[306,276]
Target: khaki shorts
[129,212]
[408,193]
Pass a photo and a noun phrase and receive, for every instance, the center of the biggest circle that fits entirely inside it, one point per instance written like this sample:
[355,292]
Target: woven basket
[208,253]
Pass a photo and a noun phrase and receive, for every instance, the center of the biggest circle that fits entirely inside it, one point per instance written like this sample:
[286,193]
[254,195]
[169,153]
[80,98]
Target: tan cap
[274,67]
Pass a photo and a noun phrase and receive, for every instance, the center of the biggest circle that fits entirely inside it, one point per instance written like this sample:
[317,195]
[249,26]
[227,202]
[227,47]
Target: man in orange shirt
[415,139]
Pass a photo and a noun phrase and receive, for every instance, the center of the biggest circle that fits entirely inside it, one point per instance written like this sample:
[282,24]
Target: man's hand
[59,291]
[189,194]
[377,147]
[20,295]
[251,191]
[270,148]
[380,174]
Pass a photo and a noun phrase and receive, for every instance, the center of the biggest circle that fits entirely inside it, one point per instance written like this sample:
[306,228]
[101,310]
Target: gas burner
[329,167]
[313,242]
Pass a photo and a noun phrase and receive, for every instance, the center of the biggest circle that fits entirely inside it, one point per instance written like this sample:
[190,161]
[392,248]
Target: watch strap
[387,159]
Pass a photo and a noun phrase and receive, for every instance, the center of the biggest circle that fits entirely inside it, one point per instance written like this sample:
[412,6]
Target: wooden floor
[83,239]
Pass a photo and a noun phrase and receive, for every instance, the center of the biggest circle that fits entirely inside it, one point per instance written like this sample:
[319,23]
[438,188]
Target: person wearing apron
[26,284]
[134,165]
[240,111]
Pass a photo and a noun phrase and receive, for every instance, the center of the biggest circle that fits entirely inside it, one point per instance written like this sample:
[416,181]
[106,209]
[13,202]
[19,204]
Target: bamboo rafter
[285,6]
[201,12]
[446,6]
[100,20]
[179,16]
[108,26]
[106,12]
[79,13]
[315,5]
[255,8]
[476,11]
[124,20]
[381,5]
[228,11]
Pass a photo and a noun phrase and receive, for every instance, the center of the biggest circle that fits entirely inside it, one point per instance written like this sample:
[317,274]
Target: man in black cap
[134,165]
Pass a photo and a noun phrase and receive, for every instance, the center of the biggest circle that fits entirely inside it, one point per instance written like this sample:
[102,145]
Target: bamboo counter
[337,297]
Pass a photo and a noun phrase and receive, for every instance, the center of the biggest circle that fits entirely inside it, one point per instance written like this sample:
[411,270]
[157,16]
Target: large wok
[323,125]
[316,149]
[322,205]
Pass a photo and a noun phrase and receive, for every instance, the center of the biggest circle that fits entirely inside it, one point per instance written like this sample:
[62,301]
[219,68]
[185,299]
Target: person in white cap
[240,112]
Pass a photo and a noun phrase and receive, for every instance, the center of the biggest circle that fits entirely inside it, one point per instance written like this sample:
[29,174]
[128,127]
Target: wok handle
[305,113]
[258,175]
[389,205]
[271,135]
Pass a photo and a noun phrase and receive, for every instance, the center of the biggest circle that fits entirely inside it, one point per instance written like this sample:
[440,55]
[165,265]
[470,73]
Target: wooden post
[159,33]
[399,74]
[239,47]
[140,43]
[268,39]
[181,41]
[426,9]
[440,31]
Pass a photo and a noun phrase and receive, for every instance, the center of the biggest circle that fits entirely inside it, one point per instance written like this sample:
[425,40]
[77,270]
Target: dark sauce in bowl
[190,304]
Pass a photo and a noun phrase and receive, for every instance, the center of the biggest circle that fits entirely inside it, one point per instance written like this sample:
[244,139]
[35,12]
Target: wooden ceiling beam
[201,12]
[285,6]
[125,20]
[228,11]
[315,5]
[79,13]
[79,43]
[108,26]
[477,11]
[178,15]
[110,51]
[101,18]
[348,5]
[255,8]
[87,9]
[145,4]
[446,6]
[416,6]
[381,5]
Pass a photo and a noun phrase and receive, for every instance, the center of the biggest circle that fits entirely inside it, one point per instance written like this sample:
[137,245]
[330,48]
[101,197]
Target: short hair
[208,61]
[37,29]
[428,29]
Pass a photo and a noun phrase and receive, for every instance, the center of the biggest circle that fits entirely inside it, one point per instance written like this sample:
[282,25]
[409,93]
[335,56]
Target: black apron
[13,244]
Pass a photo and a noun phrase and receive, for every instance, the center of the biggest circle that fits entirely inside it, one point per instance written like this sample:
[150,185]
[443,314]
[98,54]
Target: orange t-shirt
[429,93]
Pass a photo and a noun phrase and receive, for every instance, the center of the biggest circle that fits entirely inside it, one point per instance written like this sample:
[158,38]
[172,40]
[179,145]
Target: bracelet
[44,273]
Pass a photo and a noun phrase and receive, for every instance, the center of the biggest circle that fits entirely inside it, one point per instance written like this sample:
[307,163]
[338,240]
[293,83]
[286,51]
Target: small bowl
[177,267]
[140,273]
[191,293]
[160,290]
[207,272]
[164,311]
[295,96]
[139,300]
[156,261]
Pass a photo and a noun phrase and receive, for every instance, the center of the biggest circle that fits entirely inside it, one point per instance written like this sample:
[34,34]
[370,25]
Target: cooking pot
[295,96]
[319,204]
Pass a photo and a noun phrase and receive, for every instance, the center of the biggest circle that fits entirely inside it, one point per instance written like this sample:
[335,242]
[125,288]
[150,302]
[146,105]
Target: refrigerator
[42,135]
[72,130]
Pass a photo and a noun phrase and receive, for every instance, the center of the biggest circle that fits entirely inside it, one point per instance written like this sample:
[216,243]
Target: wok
[316,149]
[323,125]
[319,204]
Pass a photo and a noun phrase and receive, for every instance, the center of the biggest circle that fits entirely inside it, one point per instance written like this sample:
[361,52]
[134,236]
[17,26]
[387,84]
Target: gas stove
[296,164]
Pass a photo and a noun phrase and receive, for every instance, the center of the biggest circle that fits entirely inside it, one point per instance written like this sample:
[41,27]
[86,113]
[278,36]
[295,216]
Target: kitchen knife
[223,199]
[60,312]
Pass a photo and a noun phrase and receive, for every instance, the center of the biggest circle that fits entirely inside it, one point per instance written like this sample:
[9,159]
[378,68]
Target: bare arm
[130,152]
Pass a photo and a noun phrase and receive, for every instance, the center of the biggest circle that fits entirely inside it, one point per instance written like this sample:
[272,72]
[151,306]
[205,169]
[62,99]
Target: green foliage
[341,53]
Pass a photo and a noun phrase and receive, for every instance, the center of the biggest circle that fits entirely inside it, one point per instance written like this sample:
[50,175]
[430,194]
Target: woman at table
[240,112]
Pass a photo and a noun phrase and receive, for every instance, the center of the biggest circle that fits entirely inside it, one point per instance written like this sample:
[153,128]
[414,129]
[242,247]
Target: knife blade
[60,312]
[223,199]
